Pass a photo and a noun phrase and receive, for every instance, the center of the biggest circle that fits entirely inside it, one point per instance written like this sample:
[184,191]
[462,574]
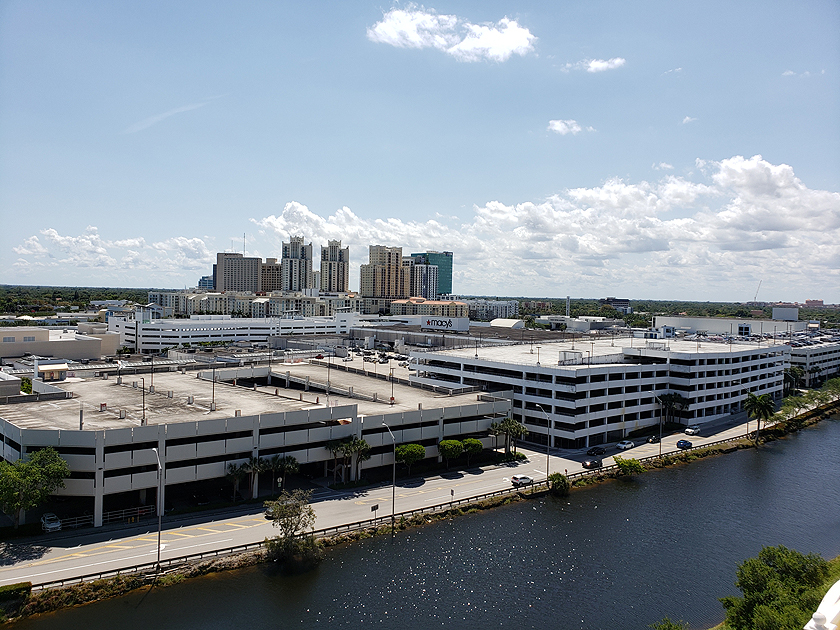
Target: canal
[619,555]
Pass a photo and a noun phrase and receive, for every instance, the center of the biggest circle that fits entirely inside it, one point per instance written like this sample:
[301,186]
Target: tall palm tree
[236,473]
[288,466]
[761,408]
[254,466]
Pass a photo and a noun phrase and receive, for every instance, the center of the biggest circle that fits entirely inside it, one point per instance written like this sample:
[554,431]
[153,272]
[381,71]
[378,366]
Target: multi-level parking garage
[601,390]
[200,422]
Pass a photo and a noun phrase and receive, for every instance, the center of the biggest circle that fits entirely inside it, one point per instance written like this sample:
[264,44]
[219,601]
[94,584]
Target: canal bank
[655,543]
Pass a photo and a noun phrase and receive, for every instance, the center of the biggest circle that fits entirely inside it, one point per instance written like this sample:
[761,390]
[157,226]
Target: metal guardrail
[130,515]
[77,521]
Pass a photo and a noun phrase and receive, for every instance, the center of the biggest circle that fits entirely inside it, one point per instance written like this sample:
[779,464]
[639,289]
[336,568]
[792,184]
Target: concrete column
[99,479]
[161,446]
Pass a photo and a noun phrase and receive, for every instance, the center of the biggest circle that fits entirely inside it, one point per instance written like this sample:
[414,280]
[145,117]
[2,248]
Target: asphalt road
[65,555]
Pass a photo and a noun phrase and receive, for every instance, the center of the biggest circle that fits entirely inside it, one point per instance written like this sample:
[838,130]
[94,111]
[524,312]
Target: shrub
[559,484]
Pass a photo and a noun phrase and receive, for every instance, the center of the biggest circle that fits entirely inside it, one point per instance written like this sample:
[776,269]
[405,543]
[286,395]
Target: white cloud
[564,126]
[673,71]
[688,119]
[418,27]
[699,237]
[600,65]
[788,73]
[662,166]
[595,65]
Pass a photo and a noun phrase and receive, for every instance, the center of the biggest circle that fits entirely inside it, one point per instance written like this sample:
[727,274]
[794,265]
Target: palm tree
[512,430]
[793,377]
[288,466]
[254,466]
[273,464]
[236,473]
[761,408]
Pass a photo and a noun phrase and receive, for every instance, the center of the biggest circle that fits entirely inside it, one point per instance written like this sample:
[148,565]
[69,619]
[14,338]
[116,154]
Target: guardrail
[77,521]
[130,515]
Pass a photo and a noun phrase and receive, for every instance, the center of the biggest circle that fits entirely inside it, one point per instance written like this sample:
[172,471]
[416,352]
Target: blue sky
[647,150]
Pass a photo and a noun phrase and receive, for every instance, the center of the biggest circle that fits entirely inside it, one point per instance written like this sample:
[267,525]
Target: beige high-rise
[384,276]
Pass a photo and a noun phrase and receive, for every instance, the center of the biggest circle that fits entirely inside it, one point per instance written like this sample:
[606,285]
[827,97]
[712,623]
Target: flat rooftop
[90,393]
[600,350]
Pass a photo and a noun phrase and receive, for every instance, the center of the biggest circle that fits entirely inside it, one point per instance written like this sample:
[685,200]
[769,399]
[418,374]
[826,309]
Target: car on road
[596,450]
[624,445]
[694,429]
[592,463]
[50,522]
[521,480]
[683,444]
[653,439]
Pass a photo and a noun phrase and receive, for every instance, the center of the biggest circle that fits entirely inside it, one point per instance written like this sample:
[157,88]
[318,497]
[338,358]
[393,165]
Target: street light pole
[394,481]
[392,385]
[159,504]
[659,400]
[143,387]
[213,402]
[548,443]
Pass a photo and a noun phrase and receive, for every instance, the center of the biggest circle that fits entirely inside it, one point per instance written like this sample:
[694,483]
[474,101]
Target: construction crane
[755,299]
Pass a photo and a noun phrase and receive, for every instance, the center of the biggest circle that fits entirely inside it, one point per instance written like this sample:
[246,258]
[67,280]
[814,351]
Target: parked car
[521,480]
[653,439]
[593,463]
[596,450]
[624,445]
[50,522]
[694,429]
[683,444]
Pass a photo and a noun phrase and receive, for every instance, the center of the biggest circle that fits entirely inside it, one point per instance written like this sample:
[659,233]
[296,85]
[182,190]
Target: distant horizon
[463,295]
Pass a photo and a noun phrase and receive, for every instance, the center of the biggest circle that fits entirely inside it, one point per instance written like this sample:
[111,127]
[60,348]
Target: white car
[50,522]
[521,480]
[694,429]
[624,445]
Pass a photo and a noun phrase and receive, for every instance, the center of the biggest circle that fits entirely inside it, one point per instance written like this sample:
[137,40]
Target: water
[619,555]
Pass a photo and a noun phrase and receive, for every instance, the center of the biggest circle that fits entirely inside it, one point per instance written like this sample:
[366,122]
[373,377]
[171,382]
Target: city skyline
[657,151]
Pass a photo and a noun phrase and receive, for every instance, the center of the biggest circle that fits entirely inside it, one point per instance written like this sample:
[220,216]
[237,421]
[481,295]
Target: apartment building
[486,310]
[435,308]
[384,276]
[296,265]
[235,272]
[335,268]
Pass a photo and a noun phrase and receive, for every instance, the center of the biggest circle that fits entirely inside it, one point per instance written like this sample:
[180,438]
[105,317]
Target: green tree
[26,385]
[409,454]
[628,466]
[761,408]
[472,447]
[25,484]
[236,473]
[559,484]
[292,514]
[450,449]
[780,587]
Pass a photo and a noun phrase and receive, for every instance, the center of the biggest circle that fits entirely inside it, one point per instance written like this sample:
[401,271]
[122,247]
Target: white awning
[55,367]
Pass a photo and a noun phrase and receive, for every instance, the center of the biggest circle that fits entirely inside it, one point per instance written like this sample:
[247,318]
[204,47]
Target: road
[65,555]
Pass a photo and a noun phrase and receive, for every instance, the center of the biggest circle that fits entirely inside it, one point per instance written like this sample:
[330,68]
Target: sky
[649,150]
